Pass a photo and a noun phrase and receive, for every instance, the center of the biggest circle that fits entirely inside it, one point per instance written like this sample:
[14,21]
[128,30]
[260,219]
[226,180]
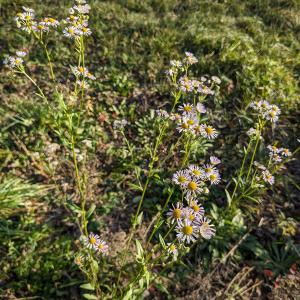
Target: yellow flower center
[190,122]
[51,20]
[84,29]
[191,217]
[28,18]
[272,114]
[213,177]
[81,69]
[209,130]
[196,172]
[208,170]
[187,230]
[92,240]
[177,213]
[196,208]
[181,179]
[185,126]
[71,31]
[40,27]
[172,247]
[187,108]
[192,185]
[17,61]
[100,246]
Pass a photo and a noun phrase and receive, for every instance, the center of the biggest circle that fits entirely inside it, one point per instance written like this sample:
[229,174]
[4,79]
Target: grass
[253,46]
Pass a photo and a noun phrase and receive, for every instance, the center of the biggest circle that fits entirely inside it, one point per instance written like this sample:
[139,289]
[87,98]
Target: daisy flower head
[21,53]
[196,207]
[272,114]
[79,259]
[214,178]
[207,170]
[208,131]
[187,231]
[175,213]
[80,71]
[214,160]
[181,178]
[193,187]
[82,8]
[187,123]
[275,157]
[50,22]
[177,64]
[91,241]
[186,108]
[285,152]
[185,84]
[195,171]
[90,76]
[200,108]
[268,177]
[172,249]
[216,80]
[41,27]
[82,84]
[120,124]
[102,247]
[162,113]
[70,32]
[206,229]
[84,31]
[188,214]
[13,62]
[190,58]
[205,90]
[273,149]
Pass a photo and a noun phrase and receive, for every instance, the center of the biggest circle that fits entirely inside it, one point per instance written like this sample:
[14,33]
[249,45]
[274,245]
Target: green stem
[253,155]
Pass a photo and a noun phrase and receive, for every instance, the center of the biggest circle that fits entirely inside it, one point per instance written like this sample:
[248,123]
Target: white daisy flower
[272,115]
[80,71]
[79,260]
[181,178]
[175,213]
[216,79]
[208,131]
[186,108]
[82,84]
[91,242]
[207,170]
[102,247]
[41,27]
[193,187]
[90,76]
[185,84]
[214,178]
[172,249]
[200,108]
[195,171]
[214,160]
[273,149]
[203,89]
[162,113]
[70,32]
[196,207]
[50,22]
[285,152]
[206,229]
[21,53]
[187,231]
[188,214]
[85,31]
[176,64]
[82,9]
[268,177]
[190,58]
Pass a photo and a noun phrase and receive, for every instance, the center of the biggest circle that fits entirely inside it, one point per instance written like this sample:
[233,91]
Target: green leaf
[87,286]
[229,199]
[90,297]
[139,248]
[128,294]
[162,242]
[90,211]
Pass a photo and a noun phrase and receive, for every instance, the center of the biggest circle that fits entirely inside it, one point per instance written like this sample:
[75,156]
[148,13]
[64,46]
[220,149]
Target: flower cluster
[265,110]
[277,154]
[190,221]
[77,21]
[27,22]
[93,242]
[81,74]
[194,179]
[15,62]
[188,120]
